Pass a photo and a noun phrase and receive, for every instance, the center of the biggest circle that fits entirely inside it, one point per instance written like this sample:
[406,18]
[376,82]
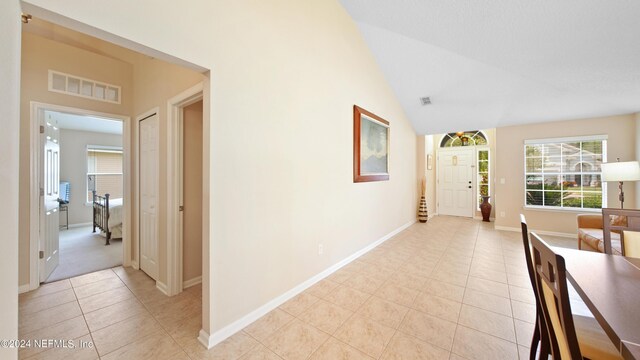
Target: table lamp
[621,172]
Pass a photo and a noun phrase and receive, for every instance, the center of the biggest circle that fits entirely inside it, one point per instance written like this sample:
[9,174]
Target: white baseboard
[191,282]
[212,340]
[72,226]
[162,287]
[24,288]
[541,232]
[491,219]
[205,339]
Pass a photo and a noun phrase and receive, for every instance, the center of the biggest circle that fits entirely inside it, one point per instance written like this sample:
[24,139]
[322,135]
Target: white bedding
[115,213]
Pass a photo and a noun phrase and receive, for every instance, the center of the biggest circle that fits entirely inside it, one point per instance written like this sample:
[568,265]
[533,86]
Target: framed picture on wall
[370,146]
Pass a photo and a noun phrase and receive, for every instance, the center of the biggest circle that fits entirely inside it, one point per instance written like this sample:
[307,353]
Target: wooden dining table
[610,287]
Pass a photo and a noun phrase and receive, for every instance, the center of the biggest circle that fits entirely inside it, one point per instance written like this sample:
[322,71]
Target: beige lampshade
[621,171]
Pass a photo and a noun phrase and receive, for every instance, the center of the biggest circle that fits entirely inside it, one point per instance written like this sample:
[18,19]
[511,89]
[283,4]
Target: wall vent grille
[78,86]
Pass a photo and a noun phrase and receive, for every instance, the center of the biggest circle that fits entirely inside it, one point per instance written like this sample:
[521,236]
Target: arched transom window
[464,138]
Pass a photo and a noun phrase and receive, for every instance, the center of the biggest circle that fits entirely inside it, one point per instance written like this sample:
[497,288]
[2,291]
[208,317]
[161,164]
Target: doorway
[187,209]
[75,153]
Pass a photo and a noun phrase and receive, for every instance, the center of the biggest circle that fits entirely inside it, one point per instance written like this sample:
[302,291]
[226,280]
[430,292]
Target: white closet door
[148,173]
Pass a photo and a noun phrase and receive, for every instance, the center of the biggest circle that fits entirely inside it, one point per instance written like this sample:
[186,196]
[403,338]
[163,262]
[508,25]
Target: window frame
[104,148]
[480,148]
[562,140]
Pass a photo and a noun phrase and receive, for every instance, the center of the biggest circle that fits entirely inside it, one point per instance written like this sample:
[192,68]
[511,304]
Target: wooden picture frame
[371,135]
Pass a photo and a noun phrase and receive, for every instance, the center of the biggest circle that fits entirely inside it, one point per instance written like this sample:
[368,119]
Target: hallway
[453,288]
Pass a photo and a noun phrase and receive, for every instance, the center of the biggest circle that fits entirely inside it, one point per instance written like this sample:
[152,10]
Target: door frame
[37,110]
[474,173]
[175,167]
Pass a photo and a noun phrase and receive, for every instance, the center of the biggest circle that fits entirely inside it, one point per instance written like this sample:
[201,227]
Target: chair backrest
[631,243]
[528,254]
[620,221]
[540,320]
[551,279]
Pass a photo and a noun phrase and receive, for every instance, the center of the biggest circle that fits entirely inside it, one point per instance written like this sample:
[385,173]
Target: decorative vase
[485,208]
[423,215]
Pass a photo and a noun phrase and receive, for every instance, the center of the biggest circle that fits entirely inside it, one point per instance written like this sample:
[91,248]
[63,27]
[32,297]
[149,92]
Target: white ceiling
[491,63]
[84,123]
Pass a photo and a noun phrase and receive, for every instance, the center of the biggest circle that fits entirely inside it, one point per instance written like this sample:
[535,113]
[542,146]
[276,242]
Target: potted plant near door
[485,208]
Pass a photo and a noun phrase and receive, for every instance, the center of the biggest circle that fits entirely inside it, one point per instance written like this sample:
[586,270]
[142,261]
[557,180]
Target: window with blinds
[104,172]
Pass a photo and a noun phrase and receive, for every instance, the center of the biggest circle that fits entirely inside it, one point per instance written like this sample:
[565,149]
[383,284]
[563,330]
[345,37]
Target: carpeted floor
[82,252]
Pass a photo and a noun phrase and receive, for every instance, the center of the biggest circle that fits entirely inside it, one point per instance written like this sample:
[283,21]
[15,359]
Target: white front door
[49,216]
[148,172]
[455,182]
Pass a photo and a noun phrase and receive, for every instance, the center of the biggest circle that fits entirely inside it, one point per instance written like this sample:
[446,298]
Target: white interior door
[49,216]
[455,182]
[148,173]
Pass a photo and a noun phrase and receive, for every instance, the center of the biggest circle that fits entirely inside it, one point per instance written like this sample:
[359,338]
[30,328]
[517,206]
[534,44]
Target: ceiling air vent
[425,100]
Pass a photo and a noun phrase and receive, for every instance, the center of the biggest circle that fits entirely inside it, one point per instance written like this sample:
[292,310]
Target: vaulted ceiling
[492,63]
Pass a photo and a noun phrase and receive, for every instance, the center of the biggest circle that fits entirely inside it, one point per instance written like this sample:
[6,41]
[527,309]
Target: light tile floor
[449,289]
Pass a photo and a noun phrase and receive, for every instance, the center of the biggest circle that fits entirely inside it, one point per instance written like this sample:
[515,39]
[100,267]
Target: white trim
[476,217]
[566,139]
[136,184]
[24,288]
[560,209]
[192,282]
[540,232]
[162,287]
[174,193]
[36,116]
[603,192]
[206,339]
[79,225]
[211,340]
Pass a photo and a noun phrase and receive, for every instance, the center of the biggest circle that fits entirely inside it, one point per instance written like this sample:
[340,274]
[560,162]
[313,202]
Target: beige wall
[38,56]
[282,142]
[9,167]
[192,194]
[621,143]
[73,168]
[278,138]
[155,82]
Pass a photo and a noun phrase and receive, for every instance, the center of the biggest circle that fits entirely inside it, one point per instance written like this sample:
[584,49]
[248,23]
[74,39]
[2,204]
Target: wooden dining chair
[630,243]
[620,227]
[540,337]
[571,336]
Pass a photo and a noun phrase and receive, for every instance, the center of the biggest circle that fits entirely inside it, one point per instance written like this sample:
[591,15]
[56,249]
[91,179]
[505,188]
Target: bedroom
[91,159]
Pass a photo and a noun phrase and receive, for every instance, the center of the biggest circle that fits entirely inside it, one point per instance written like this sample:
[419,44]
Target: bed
[107,216]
